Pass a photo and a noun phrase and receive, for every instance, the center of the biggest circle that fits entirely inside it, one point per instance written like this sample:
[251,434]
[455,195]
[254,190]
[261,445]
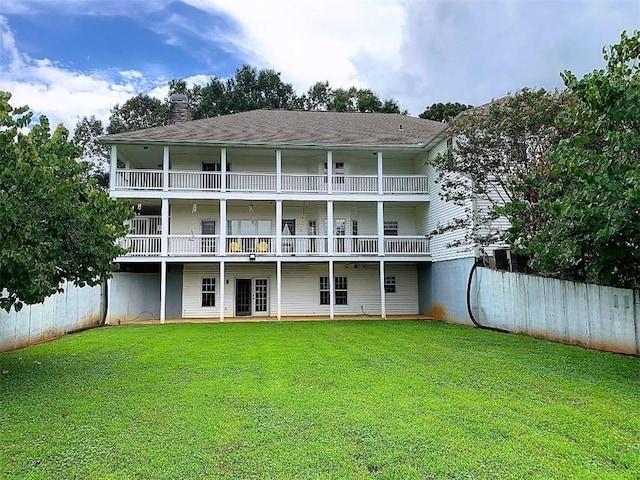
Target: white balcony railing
[141,245]
[304,183]
[247,244]
[138,179]
[302,245]
[405,184]
[266,182]
[355,245]
[182,180]
[406,245]
[193,244]
[251,182]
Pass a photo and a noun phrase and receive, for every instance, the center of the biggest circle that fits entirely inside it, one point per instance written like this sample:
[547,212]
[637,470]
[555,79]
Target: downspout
[473,319]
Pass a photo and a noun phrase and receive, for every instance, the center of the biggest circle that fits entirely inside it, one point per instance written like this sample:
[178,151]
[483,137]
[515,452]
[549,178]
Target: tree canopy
[55,223]
[141,111]
[494,149]
[590,196]
[85,136]
[444,112]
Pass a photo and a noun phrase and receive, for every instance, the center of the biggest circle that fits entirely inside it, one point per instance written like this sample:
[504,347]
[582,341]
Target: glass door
[261,296]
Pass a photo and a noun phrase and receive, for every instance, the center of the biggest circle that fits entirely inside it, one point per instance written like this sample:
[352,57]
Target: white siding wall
[439,214]
[301,288]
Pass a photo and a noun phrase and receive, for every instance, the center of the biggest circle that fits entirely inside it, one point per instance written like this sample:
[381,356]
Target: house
[273,213]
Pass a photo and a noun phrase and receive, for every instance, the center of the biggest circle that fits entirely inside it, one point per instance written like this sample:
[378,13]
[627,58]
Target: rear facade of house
[273,214]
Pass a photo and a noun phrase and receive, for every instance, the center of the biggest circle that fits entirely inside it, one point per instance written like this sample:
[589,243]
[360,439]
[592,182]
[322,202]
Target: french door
[252,296]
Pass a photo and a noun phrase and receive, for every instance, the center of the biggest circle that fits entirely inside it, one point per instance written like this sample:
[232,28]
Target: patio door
[243,297]
[261,296]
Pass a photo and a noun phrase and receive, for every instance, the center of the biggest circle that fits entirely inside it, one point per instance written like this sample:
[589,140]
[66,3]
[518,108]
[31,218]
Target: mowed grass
[373,399]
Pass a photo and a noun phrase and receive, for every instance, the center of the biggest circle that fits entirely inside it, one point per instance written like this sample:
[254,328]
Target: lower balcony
[302,245]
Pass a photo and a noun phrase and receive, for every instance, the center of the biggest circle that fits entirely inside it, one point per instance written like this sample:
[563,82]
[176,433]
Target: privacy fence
[594,316]
[74,309]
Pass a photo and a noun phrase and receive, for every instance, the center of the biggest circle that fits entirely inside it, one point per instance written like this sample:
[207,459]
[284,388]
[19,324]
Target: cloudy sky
[69,58]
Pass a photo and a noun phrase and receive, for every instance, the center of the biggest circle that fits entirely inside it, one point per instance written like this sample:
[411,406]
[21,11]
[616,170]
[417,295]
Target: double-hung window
[208,292]
[340,287]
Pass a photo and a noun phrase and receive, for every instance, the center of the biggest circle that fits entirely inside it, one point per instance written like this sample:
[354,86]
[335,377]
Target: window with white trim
[341,290]
[208,292]
[390,284]
[325,293]
[390,228]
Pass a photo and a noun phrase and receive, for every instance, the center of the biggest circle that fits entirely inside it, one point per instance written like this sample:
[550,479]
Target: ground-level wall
[442,289]
[594,316]
[134,296]
[73,309]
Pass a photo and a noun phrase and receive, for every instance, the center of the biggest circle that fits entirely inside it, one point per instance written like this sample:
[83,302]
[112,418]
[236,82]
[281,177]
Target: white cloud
[61,94]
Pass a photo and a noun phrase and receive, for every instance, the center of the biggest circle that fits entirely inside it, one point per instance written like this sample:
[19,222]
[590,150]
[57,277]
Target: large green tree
[444,112]
[55,223]
[85,136]
[493,149]
[590,196]
[321,96]
[141,111]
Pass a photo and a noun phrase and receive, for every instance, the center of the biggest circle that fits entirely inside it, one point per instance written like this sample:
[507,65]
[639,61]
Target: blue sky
[80,57]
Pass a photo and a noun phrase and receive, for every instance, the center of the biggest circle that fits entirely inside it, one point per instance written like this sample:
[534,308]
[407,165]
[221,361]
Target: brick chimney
[179,110]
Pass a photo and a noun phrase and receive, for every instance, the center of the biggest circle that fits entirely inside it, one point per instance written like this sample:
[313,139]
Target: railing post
[223,169]
[165,168]
[330,227]
[329,171]
[383,299]
[164,231]
[112,167]
[278,228]
[380,177]
[278,171]
[380,223]
[223,227]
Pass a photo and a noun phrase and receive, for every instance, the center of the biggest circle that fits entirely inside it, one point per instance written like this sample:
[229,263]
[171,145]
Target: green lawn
[313,400]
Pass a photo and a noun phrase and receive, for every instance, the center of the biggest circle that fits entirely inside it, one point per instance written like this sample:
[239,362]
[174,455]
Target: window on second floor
[390,228]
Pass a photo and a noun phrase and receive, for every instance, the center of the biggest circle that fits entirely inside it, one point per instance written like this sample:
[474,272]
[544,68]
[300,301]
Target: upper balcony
[189,181]
[202,170]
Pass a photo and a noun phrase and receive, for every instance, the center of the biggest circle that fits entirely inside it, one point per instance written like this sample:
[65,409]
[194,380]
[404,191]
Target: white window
[390,284]
[208,292]
[340,285]
[390,228]
[324,291]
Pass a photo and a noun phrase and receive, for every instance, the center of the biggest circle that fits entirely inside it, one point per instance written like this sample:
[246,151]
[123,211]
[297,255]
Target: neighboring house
[274,213]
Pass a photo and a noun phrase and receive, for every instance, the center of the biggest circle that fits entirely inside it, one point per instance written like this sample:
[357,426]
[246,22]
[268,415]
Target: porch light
[194,207]
[252,257]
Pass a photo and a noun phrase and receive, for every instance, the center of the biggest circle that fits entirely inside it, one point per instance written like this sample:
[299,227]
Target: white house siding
[440,213]
[301,288]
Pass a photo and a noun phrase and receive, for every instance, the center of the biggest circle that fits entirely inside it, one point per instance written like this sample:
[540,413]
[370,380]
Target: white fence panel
[594,316]
[73,309]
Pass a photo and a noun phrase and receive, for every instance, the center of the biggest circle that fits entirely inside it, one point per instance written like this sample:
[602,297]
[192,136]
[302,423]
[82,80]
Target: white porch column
[107,314]
[279,288]
[380,178]
[332,289]
[380,228]
[112,167]
[165,169]
[163,290]
[223,169]
[222,250]
[222,283]
[278,227]
[164,232]
[329,171]
[330,227]
[383,295]
[278,171]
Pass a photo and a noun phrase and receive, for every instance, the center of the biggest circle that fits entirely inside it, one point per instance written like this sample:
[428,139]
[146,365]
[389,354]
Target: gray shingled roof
[292,127]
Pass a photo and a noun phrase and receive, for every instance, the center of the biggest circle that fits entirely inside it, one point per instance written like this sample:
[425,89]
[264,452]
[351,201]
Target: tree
[444,112]
[141,111]
[85,136]
[248,89]
[486,168]
[591,196]
[55,223]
